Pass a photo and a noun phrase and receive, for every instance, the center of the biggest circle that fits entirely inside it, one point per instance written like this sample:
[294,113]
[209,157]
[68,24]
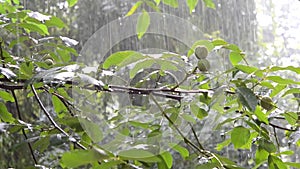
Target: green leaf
[181,150]
[93,130]
[26,69]
[142,24]
[267,145]
[225,143]
[109,164]
[292,164]
[55,21]
[172,3]
[134,8]
[209,4]
[192,4]
[208,166]
[219,42]
[157,2]
[78,158]
[34,27]
[291,91]
[281,80]
[197,111]
[258,129]
[140,155]
[276,163]
[5,115]
[277,89]
[141,65]
[58,105]
[42,143]
[72,2]
[119,58]
[261,155]
[247,98]
[291,68]
[6,96]
[246,69]
[167,158]
[166,64]
[291,117]
[261,115]
[235,57]
[240,136]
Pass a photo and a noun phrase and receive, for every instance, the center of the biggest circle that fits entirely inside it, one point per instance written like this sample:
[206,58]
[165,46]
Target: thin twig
[1,54]
[23,130]
[184,79]
[195,135]
[282,128]
[276,138]
[52,120]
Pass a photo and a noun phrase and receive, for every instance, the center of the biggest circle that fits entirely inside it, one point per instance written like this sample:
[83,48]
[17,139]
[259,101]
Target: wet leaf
[235,57]
[278,88]
[197,111]
[172,3]
[6,96]
[192,4]
[247,98]
[261,115]
[281,80]
[55,21]
[291,117]
[134,8]
[139,154]
[34,27]
[142,24]
[209,4]
[261,155]
[120,58]
[72,2]
[167,158]
[141,65]
[267,145]
[181,150]
[76,158]
[240,136]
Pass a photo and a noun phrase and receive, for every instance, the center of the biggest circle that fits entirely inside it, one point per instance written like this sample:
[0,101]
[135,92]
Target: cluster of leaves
[186,100]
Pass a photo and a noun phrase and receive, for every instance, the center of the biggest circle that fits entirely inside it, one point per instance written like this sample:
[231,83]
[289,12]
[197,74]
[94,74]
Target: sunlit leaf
[192,4]
[119,58]
[210,4]
[6,96]
[247,98]
[72,2]
[208,166]
[78,158]
[142,24]
[26,69]
[240,136]
[157,2]
[172,3]
[58,105]
[134,8]
[5,115]
[109,164]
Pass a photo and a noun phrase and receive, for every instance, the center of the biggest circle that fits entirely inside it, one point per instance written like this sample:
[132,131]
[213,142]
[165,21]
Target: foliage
[34,61]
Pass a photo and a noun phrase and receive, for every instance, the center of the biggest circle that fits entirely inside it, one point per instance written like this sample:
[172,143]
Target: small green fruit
[203,65]
[201,52]
[266,103]
[49,62]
